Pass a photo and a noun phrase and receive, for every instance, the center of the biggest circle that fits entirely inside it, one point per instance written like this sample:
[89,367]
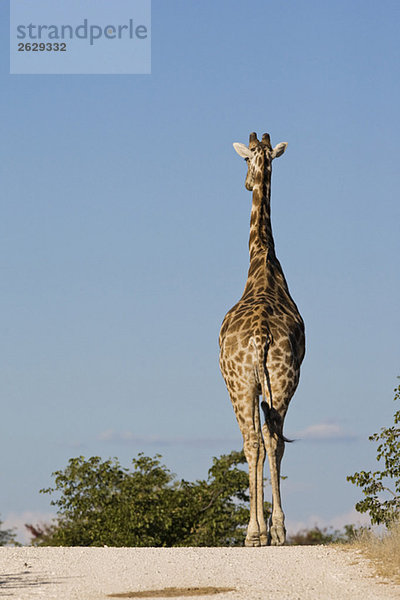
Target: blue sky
[124,230]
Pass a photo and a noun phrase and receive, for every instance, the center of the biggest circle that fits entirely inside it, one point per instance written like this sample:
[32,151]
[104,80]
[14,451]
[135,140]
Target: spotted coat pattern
[262,345]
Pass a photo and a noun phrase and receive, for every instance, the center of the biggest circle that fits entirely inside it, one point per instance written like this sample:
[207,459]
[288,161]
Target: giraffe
[262,345]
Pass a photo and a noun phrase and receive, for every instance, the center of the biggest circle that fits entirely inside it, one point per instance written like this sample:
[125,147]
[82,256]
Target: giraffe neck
[261,241]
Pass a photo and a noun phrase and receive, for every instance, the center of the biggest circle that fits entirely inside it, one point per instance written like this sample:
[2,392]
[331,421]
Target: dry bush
[382,550]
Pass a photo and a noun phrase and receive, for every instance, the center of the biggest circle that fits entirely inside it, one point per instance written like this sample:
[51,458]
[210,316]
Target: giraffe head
[259,156]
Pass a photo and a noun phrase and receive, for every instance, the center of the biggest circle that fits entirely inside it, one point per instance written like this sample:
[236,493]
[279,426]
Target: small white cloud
[326,431]
[106,436]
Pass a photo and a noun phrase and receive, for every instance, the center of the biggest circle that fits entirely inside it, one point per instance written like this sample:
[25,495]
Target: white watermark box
[80,36]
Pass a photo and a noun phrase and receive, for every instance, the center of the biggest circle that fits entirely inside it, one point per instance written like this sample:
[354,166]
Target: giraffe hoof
[277,535]
[253,542]
[264,540]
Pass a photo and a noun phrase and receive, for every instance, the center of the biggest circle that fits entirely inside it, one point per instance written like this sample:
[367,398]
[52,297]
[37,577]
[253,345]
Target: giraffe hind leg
[275,448]
[255,453]
[253,445]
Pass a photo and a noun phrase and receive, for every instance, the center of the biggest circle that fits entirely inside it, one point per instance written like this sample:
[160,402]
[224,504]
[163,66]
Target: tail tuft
[273,421]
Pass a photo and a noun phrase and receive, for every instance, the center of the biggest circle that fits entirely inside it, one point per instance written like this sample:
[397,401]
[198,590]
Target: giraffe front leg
[275,449]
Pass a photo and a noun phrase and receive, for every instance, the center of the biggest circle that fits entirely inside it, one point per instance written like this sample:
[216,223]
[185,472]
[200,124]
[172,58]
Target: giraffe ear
[242,150]
[278,150]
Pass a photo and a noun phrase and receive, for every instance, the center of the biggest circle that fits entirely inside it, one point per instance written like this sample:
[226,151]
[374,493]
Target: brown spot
[247,324]
[281,297]
[249,287]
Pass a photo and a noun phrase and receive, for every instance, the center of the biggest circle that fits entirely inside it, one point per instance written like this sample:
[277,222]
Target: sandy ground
[301,572]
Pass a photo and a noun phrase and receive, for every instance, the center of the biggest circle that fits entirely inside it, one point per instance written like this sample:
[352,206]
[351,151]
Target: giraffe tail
[273,419]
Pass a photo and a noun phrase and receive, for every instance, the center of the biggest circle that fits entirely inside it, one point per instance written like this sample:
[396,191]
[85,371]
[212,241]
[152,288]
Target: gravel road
[302,572]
